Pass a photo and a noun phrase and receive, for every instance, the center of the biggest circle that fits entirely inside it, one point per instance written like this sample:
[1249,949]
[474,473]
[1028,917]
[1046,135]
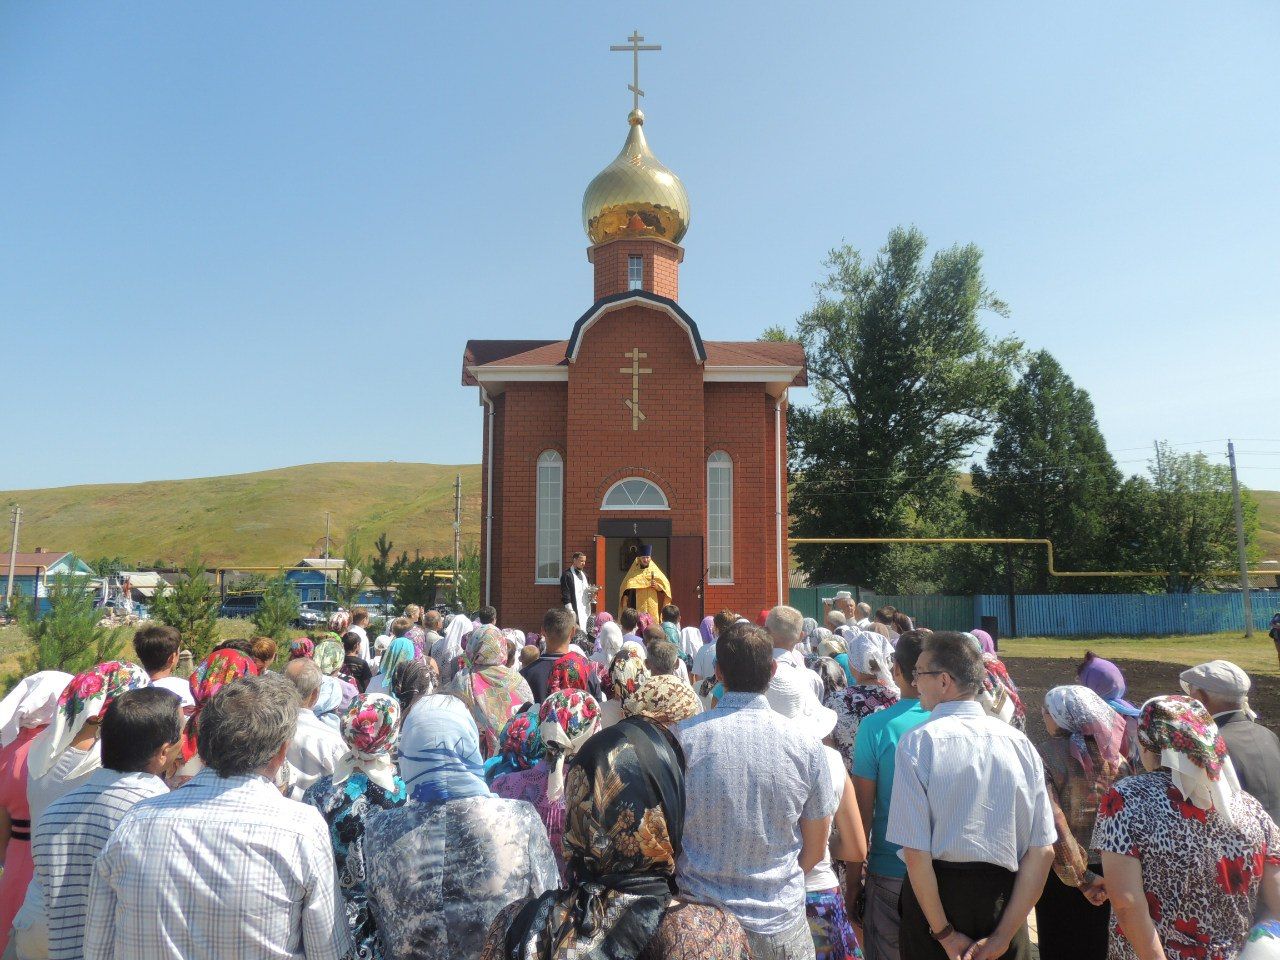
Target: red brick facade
[571,397]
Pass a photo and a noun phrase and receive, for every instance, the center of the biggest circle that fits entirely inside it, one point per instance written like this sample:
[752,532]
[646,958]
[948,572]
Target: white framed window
[550,517]
[635,273]
[635,493]
[719,518]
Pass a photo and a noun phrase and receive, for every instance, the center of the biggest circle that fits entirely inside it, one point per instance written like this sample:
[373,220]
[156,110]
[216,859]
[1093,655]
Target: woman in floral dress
[869,659]
[364,780]
[1185,852]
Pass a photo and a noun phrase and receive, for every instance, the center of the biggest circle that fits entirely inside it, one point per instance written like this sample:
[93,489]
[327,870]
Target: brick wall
[661,266]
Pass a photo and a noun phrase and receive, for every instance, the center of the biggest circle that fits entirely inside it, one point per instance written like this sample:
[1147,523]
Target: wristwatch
[942,934]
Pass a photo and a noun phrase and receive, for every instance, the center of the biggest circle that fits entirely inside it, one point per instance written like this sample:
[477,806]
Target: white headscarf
[608,644]
[690,641]
[870,653]
[458,628]
[32,703]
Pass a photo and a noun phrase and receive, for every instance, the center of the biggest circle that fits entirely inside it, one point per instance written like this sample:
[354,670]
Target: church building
[634,431]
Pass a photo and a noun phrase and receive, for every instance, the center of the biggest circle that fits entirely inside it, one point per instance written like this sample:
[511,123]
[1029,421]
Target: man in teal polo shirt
[873,759]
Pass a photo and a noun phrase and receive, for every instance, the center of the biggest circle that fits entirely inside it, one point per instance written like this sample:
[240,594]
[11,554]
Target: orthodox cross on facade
[635,43]
[632,402]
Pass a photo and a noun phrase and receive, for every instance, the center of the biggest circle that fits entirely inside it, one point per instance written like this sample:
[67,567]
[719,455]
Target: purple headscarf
[603,617]
[706,628]
[984,640]
[1105,679]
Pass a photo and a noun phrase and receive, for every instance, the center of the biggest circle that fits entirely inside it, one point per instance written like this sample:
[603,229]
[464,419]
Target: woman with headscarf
[301,647]
[364,780]
[999,694]
[625,819]
[1107,680]
[1187,854]
[607,644]
[837,649]
[212,674]
[1082,759]
[414,681]
[627,674]
[328,654]
[873,689]
[831,673]
[451,647]
[328,706]
[519,746]
[491,689]
[23,714]
[472,853]
[400,651]
[664,699]
[566,720]
[985,642]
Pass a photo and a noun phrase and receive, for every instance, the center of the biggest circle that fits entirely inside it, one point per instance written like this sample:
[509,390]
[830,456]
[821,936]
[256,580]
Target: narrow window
[549,521]
[720,517]
[635,273]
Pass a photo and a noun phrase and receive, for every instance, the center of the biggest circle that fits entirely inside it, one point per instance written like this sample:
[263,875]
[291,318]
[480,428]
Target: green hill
[272,517]
[1268,522]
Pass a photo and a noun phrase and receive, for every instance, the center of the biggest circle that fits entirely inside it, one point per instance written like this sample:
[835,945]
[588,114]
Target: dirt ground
[1146,678]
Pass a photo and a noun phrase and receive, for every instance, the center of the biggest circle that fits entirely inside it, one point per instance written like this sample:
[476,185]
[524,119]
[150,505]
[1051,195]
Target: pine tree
[68,637]
[190,606]
[278,610]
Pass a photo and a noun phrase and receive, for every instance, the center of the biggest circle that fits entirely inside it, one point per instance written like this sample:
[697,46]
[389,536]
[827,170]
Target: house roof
[32,564]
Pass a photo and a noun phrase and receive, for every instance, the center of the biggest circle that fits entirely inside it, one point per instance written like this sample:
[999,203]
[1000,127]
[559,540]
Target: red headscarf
[214,672]
[570,672]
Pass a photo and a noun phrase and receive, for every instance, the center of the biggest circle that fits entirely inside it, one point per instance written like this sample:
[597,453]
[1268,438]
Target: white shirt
[363,649]
[969,789]
[822,876]
[223,868]
[794,660]
[704,661]
[864,623]
[314,751]
[179,686]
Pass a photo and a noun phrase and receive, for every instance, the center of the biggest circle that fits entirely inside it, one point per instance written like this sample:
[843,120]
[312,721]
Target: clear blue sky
[241,235]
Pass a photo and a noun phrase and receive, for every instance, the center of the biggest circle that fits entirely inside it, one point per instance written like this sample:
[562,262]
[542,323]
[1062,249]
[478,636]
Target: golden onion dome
[635,195]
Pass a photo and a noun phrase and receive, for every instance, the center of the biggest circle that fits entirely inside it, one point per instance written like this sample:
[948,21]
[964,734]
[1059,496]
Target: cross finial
[635,43]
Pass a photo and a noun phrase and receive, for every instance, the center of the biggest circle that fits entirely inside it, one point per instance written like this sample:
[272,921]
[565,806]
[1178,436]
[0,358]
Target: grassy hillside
[1268,522]
[272,517]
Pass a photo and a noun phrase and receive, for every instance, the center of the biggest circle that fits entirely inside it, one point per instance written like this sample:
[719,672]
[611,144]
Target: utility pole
[13,555]
[457,532]
[326,534]
[1240,551]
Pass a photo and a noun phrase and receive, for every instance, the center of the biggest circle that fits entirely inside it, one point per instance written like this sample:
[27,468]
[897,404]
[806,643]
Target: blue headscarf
[328,702]
[401,650]
[440,754]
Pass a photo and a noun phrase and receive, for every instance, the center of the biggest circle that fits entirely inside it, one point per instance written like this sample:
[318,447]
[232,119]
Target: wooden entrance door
[686,574]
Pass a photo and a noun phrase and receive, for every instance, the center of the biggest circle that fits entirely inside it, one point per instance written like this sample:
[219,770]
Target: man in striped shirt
[138,729]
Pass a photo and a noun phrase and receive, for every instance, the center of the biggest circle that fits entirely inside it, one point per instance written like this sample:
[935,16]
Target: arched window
[720,518]
[635,493]
[550,516]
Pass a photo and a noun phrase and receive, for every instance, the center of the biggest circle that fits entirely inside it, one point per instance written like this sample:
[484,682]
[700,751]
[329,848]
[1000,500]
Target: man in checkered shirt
[223,867]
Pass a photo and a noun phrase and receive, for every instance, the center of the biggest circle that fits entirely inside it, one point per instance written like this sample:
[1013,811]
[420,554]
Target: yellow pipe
[1012,541]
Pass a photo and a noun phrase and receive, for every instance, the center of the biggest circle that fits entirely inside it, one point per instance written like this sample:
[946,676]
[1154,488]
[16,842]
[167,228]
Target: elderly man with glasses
[971,813]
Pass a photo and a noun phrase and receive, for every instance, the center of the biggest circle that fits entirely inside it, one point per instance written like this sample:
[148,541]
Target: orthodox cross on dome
[635,43]
[632,402]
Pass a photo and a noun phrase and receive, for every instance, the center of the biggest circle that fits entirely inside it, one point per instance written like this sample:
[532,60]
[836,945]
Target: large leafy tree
[907,382]
[1048,474]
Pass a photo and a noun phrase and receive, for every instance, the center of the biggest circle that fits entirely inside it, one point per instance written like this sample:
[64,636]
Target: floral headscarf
[329,656]
[301,647]
[624,801]
[339,622]
[32,703]
[519,742]
[1181,731]
[627,673]
[565,721]
[212,674]
[666,699]
[645,623]
[85,698]
[1082,713]
[570,672]
[603,617]
[1000,689]
[370,729]
[490,688]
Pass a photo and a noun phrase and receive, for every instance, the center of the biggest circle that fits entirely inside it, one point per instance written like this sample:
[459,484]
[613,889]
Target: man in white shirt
[224,867]
[785,626]
[157,646]
[316,747]
[862,616]
[359,625]
[972,814]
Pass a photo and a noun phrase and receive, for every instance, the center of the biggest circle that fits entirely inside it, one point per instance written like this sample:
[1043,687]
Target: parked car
[316,613]
[240,605]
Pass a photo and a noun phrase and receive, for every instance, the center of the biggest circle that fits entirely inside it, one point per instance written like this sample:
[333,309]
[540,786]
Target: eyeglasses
[917,674]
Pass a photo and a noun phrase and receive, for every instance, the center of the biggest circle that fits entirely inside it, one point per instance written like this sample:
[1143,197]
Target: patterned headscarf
[645,623]
[32,703]
[808,632]
[565,721]
[400,651]
[414,679]
[339,622]
[666,699]
[212,674]
[627,673]
[519,742]
[329,656]
[570,672]
[440,755]
[624,802]
[488,686]
[1181,731]
[370,729]
[603,617]
[1082,713]
[301,647]
[85,698]
[832,674]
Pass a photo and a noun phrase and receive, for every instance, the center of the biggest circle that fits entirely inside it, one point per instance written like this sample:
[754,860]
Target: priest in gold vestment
[645,586]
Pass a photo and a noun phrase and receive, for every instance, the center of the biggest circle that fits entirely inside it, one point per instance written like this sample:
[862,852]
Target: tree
[1048,474]
[415,582]
[190,606]
[468,587]
[251,582]
[68,637]
[107,566]
[350,582]
[381,568]
[907,381]
[278,609]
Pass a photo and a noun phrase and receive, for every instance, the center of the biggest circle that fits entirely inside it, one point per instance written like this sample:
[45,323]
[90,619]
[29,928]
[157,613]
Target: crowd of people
[773,789]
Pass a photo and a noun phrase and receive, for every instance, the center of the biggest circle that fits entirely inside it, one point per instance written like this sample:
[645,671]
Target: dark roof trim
[643,297]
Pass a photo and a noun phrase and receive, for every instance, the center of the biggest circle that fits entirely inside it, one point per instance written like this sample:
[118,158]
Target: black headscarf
[624,816]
